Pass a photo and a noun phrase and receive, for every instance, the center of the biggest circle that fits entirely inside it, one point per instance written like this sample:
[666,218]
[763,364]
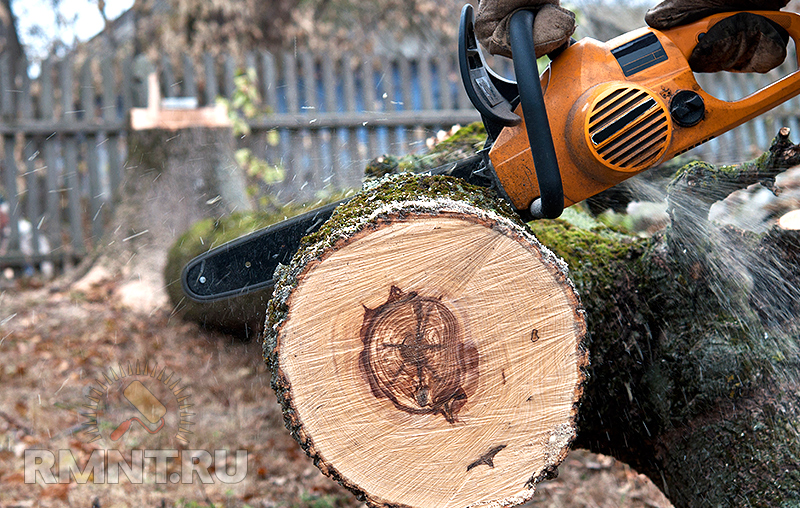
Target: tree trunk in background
[172,179]
[10,47]
[692,339]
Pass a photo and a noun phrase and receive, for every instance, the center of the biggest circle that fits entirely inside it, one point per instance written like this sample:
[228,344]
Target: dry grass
[55,345]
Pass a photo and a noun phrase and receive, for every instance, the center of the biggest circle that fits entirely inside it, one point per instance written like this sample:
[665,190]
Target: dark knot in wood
[416,355]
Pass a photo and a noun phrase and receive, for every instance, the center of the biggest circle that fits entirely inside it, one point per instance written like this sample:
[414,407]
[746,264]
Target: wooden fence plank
[335,176]
[400,97]
[127,85]
[48,146]
[87,91]
[110,140]
[425,82]
[396,135]
[189,82]
[348,82]
[315,172]
[96,200]
[96,194]
[354,152]
[72,182]
[46,109]
[269,81]
[387,81]
[228,74]
[168,82]
[250,63]
[52,200]
[368,94]
[70,144]
[407,100]
[268,85]
[11,193]
[443,76]
[109,98]
[6,87]
[210,68]
[290,147]
[32,195]
[25,101]
[28,197]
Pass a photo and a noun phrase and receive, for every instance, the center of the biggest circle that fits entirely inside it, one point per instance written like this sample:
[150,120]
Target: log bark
[425,331]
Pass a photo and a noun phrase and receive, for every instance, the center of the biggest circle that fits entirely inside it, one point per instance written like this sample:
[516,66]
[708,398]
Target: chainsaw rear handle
[550,204]
[731,114]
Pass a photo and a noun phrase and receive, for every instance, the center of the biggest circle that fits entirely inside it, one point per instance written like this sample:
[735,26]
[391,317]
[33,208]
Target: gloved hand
[552,29]
[741,43]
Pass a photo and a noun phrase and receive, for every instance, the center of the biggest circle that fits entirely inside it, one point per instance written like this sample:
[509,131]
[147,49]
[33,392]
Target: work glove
[744,42]
[552,28]
[740,43]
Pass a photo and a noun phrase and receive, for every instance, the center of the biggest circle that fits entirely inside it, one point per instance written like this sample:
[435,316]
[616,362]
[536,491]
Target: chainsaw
[615,109]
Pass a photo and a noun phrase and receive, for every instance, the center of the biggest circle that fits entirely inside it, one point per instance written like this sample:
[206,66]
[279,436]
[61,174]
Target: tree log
[692,335]
[423,330]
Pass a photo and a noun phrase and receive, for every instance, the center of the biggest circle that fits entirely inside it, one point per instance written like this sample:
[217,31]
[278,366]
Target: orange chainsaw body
[612,112]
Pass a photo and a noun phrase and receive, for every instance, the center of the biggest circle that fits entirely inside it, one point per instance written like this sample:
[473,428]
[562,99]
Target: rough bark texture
[480,441]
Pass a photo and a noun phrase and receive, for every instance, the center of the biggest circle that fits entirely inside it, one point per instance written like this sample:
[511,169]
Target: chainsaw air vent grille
[628,128]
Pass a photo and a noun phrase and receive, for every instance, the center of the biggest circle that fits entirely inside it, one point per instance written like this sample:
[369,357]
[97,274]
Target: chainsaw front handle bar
[550,204]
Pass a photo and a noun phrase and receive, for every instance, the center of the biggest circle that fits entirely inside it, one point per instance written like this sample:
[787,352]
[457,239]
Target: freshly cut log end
[427,349]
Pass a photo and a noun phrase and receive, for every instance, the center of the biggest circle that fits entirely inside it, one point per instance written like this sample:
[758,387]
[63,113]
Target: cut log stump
[427,349]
